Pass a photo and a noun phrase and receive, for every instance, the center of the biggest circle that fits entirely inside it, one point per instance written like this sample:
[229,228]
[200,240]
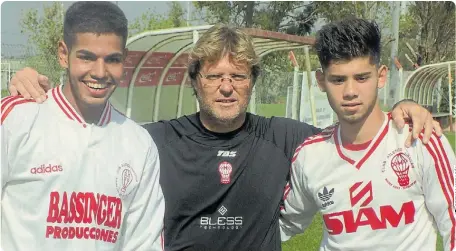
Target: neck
[362,131]
[220,126]
[90,114]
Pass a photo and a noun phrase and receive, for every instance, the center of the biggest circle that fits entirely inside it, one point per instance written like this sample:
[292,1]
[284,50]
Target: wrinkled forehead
[225,62]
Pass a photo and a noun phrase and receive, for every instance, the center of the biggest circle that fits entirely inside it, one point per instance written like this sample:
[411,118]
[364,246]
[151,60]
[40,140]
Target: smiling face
[95,67]
[351,87]
[223,94]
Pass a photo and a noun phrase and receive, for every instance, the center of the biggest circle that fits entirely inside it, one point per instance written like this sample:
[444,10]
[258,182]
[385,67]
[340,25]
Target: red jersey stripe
[372,149]
[67,106]
[10,108]
[54,94]
[445,157]
[6,101]
[447,192]
[445,168]
[341,155]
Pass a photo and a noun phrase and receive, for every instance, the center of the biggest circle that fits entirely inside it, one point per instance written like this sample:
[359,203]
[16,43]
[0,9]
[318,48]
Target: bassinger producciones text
[88,211]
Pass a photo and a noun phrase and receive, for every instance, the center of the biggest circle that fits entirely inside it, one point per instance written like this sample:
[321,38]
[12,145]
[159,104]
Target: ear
[320,75]
[64,54]
[382,76]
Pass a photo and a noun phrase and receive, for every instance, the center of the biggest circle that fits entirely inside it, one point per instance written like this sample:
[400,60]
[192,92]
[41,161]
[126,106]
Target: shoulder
[316,141]
[324,135]
[291,125]
[280,124]
[165,131]
[16,110]
[134,133]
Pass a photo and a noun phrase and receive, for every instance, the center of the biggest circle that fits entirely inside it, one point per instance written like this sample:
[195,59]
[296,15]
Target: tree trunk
[249,13]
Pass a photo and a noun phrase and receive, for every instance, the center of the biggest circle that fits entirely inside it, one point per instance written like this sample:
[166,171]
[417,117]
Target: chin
[228,117]
[353,118]
[95,101]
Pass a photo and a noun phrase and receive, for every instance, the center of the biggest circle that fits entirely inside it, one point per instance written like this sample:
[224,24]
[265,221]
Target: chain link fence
[16,57]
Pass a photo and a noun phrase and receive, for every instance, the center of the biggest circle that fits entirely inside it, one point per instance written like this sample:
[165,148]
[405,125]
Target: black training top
[223,191]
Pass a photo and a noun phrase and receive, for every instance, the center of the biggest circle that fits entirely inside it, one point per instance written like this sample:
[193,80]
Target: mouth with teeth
[96,86]
[97,89]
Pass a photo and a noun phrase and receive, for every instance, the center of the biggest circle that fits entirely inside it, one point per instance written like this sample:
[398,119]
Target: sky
[13,42]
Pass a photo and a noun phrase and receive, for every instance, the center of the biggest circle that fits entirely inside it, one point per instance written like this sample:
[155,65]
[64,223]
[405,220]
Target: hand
[30,84]
[421,119]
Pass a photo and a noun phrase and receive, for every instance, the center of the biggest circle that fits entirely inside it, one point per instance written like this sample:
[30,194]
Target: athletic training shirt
[70,185]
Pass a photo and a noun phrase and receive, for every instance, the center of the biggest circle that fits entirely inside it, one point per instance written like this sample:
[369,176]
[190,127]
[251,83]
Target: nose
[350,90]
[98,70]
[226,88]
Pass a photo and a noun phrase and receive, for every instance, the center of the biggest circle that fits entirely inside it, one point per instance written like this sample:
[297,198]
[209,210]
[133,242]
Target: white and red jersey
[381,196]
[71,185]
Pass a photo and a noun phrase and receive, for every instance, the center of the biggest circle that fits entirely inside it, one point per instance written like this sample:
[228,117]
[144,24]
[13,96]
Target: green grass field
[451,138]
[310,239]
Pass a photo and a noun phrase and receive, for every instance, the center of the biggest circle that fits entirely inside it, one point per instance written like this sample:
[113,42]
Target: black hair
[99,17]
[348,39]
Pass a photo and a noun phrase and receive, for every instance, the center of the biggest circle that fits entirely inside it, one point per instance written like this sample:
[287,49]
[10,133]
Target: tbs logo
[47,169]
[226,154]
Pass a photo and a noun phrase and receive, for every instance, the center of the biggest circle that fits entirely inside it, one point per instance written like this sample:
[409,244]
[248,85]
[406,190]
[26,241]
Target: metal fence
[288,94]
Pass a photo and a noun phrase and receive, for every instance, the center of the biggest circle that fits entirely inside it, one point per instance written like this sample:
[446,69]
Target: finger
[437,128]
[42,84]
[428,128]
[398,118]
[12,89]
[21,89]
[31,85]
[417,127]
[36,91]
[408,141]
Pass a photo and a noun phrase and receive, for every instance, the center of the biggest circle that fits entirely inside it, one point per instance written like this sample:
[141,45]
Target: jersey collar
[70,112]
[369,150]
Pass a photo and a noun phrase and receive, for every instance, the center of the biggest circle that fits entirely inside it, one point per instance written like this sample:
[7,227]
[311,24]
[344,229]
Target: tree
[436,30]
[44,34]
[334,11]
[233,12]
[290,17]
[428,27]
[273,15]
[150,20]
[303,23]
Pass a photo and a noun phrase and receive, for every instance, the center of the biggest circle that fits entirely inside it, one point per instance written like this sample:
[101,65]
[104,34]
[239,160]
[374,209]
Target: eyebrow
[337,76]
[363,74]
[344,76]
[89,53]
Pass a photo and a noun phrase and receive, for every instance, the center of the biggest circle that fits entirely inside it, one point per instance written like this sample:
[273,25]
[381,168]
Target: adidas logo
[46,169]
[325,196]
